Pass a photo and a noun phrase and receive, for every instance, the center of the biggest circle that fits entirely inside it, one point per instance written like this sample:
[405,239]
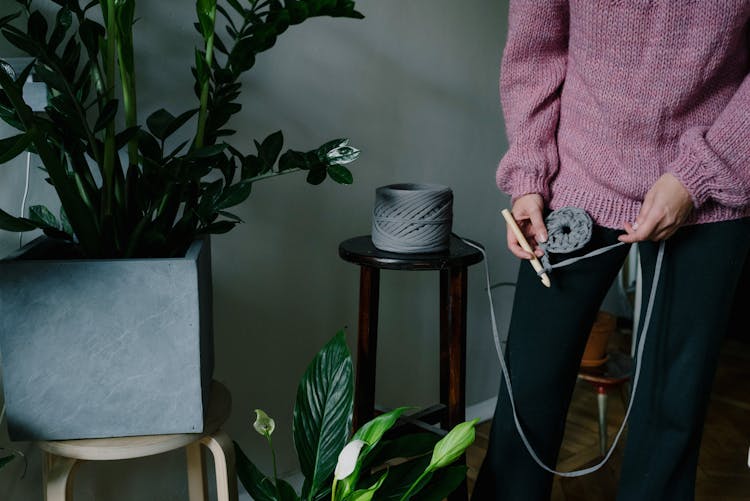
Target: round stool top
[100,449]
[616,370]
[361,251]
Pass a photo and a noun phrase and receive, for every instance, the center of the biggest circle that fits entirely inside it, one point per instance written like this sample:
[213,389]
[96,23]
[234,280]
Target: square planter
[105,348]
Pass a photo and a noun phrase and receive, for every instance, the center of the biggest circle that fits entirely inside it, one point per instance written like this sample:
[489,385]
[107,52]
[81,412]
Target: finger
[537,223]
[644,231]
[514,247]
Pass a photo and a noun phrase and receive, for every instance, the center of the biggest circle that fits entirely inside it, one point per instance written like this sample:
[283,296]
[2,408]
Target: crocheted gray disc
[568,229]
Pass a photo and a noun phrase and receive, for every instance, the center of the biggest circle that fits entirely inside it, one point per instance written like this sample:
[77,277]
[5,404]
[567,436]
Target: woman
[637,111]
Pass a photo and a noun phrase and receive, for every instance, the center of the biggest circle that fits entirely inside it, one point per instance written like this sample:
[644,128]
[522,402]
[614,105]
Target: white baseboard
[482,410]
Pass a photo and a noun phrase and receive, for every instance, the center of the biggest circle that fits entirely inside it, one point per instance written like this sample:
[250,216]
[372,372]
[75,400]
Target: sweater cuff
[698,167]
[523,183]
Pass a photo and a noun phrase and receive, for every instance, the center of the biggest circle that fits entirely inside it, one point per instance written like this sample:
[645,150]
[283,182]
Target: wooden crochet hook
[525,245]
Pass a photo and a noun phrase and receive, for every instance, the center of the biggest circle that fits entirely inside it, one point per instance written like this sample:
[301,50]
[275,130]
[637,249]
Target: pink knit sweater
[601,97]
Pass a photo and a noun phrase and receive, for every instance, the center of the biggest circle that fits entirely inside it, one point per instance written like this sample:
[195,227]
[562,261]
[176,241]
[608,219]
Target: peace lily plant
[359,467]
[162,192]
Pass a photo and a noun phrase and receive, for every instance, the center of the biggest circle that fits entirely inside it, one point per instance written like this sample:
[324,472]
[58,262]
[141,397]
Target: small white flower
[342,154]
[348,459]
[263,423]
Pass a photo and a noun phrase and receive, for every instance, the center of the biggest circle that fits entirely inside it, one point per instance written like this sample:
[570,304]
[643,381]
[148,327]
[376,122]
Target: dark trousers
[548,332]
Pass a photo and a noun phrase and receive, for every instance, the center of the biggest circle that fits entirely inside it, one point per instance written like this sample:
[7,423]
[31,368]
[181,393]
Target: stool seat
[361,251]
[107,449]
[62,457]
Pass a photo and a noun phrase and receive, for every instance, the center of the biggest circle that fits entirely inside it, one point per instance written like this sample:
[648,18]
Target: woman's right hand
[528,213]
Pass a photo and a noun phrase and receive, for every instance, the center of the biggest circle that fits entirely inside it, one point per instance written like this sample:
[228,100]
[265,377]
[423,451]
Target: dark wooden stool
[452,265]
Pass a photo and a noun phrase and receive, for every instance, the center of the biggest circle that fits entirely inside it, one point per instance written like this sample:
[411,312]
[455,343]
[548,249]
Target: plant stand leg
[222,449]
[58,475]
[367,344]
[196,470]
[453,290]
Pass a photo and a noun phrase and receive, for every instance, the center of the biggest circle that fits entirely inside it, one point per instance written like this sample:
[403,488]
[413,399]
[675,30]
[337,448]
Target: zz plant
[359,467]
[158,196]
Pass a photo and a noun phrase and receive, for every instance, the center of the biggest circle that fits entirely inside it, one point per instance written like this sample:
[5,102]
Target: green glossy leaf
[322,413]
[106,116]
[316,176]
[63,22]
[400,478]
[259,486]
[37,27]
[453,445]
[407,446]
[15,224]
[42,216]
[270,148]
[158,123]
[340,174]
[11,147]
[5,460]
[286,491]
[369,493]
[372,431]
[64,223]
[219,227]
[234,194]
[442,484]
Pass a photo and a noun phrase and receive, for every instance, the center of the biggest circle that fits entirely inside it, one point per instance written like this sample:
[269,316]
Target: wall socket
[34,93]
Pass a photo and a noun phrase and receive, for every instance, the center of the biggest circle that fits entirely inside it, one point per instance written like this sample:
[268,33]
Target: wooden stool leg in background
[196,470]
[222,449]
[57,473]
[453,287]
[367,344]
[601,400]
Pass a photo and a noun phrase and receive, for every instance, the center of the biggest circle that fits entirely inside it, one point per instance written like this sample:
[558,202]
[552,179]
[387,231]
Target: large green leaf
[323,412]
[15,224]
[368,493]
[11,147]
[259,486]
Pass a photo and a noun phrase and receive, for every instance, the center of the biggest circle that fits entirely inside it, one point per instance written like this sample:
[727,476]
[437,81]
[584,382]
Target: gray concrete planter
[105,348]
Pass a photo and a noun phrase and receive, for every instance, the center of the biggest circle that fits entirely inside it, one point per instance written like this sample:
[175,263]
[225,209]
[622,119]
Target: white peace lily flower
[342,154]
[348,459]
[263,423]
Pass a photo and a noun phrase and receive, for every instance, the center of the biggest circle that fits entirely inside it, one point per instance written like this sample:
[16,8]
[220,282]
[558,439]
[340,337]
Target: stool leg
[601,400]
[196,470]
[222,450]
[367,344]
[453,288]
[58,475]
[453,344]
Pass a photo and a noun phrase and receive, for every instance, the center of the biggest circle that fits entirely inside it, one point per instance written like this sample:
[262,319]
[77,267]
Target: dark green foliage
[165,195]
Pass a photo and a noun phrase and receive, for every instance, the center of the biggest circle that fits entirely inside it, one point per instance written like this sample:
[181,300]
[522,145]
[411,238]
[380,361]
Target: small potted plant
[105,325]
[366,465]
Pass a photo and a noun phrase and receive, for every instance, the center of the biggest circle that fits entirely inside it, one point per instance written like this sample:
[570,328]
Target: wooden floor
[723,473]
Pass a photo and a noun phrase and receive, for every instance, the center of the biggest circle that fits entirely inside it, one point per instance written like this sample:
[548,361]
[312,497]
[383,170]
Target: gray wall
[415,87]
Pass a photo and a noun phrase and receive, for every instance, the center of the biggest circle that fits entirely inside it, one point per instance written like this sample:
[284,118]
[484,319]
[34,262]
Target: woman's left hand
[665,207]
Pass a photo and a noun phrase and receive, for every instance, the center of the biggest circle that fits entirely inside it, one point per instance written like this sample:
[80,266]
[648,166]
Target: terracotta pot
[595,353]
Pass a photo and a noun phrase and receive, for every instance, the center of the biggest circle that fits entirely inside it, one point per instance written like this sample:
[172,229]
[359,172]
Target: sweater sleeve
[714,161]
[531,77]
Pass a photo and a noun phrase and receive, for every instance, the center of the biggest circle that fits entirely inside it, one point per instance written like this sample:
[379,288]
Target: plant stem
[127,76]
[406,496]
[333,489]
[109,141]
[206,85]
[275,473]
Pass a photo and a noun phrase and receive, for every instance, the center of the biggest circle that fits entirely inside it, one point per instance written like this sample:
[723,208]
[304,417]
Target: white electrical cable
[25,195]
[638,359]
